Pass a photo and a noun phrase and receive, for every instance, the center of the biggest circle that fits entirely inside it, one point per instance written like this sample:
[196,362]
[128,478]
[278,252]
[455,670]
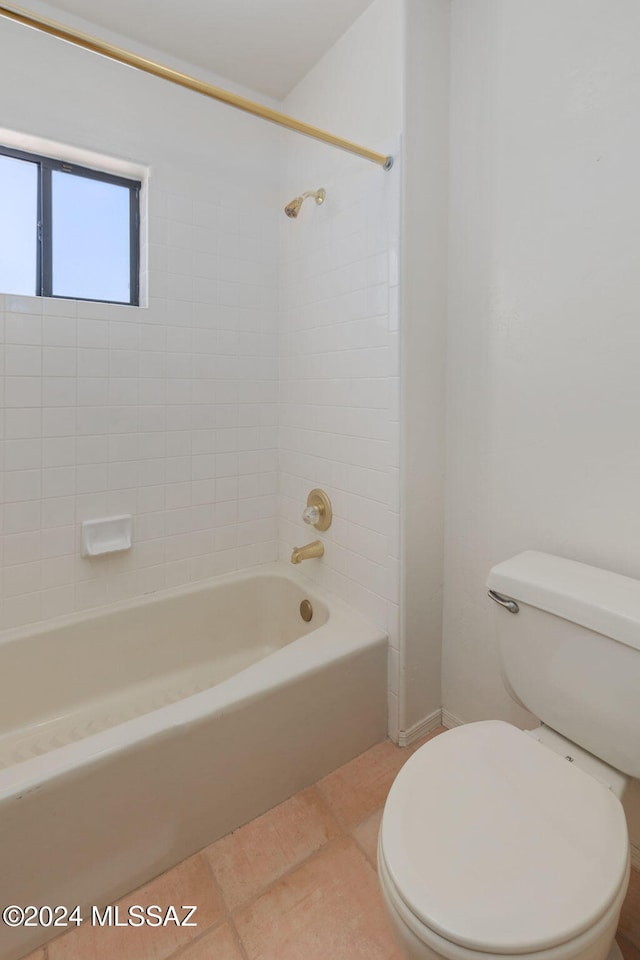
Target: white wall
[170,412]
[339,367]
[424,318]
[544,330]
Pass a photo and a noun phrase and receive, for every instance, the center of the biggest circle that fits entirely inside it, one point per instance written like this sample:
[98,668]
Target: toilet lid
[498,844]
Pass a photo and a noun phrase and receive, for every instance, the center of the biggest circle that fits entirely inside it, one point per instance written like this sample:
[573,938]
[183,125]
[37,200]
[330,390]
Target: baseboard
[420,729]
[450,720]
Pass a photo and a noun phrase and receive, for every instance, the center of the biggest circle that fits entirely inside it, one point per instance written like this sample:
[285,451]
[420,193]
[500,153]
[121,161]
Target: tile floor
[298,883]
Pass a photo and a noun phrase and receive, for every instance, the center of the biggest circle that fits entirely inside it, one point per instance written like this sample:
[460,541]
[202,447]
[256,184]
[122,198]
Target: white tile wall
[171,412]
[168,413]
[339,387]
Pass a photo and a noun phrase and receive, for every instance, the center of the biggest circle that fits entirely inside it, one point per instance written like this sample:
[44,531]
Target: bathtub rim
[344,633]
[264,570]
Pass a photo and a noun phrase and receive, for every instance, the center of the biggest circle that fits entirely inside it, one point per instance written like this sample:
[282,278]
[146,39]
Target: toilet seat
[424,944]
[498,845]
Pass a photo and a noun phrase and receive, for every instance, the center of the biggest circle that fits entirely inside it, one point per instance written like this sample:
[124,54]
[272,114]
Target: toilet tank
[571,652]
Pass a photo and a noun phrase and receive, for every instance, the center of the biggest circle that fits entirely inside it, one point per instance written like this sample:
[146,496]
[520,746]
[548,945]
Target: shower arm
[29,19]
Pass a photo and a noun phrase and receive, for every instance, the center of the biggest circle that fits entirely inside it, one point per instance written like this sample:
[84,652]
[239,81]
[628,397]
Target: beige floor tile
[330,908]
[366,835]
[356,790]
[37,955]
[220,944]
[421,742]
[190,883]
[248,860]
[630,916]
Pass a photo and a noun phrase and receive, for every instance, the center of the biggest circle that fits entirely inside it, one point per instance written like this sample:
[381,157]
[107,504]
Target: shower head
[293,209]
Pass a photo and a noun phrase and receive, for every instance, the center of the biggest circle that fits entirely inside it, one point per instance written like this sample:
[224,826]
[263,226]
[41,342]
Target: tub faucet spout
[314,549]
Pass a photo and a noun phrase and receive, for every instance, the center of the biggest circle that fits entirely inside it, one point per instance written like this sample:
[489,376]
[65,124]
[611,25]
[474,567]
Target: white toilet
[501,843]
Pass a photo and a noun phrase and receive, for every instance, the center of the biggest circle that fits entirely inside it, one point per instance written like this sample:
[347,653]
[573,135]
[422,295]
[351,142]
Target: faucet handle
[311,515]
[318,511]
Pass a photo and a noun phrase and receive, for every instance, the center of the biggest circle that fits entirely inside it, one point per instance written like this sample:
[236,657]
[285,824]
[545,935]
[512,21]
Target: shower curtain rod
[29,19]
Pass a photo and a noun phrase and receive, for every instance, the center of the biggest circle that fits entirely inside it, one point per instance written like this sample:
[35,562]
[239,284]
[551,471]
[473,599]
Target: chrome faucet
[313,549]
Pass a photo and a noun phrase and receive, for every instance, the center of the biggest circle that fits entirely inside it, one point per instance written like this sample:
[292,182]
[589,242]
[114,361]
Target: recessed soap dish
[108,535]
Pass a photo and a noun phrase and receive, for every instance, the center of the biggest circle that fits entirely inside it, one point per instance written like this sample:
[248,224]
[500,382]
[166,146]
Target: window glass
[18,226]
[67,231]
[90,238]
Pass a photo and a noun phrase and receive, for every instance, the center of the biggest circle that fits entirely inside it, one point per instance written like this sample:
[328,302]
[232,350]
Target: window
[67,231]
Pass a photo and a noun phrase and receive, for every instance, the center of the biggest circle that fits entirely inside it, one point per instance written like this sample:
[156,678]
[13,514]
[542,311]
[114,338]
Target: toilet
[497,842]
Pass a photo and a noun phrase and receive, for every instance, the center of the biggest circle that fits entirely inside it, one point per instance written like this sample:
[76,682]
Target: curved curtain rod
[95,45]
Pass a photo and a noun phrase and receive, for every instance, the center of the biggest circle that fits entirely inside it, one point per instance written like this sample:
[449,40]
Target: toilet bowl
[497,842]
[493,844]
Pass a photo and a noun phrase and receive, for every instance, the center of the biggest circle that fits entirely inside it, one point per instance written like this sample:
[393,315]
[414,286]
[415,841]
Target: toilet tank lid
[600,600]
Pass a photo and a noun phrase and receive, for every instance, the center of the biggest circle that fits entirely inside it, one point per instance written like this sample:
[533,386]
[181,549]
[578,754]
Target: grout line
[372,861]
[270,886]
[326,807]
[336,816]
[186,946]
[238,939]
[214,926]
[345,826]
[214,880]
[314,853]
[228,919]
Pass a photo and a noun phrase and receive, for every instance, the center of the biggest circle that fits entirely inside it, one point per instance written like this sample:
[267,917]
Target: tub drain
[306,610]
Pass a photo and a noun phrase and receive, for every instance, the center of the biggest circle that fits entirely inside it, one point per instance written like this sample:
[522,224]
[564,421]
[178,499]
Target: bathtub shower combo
[133,738]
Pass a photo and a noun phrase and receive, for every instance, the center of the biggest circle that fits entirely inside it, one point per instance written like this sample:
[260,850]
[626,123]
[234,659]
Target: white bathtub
[132,738]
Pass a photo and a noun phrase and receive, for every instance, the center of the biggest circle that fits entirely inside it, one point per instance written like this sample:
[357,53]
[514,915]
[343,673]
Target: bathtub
[131,738]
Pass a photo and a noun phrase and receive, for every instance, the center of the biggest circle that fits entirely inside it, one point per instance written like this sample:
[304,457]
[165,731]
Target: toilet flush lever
[511,605]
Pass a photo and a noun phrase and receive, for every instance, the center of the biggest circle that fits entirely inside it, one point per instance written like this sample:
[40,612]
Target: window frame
[44,259]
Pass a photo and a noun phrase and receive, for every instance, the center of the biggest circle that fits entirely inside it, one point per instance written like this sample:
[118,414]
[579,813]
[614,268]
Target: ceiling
[268,45]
